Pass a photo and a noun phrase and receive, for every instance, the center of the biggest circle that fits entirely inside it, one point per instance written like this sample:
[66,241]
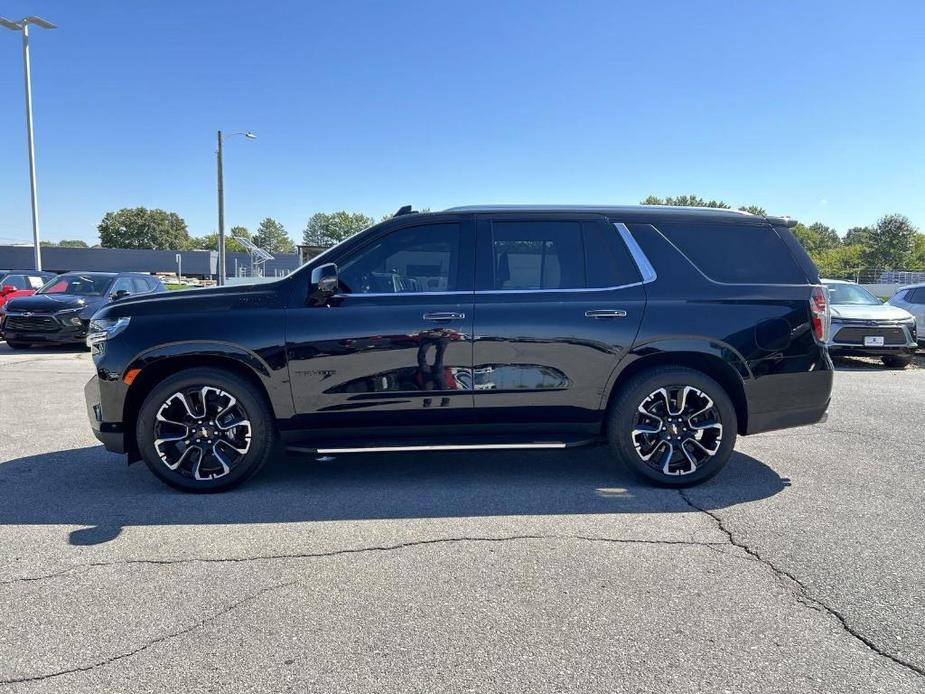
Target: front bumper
[848,338]
[47,328]
[109,433]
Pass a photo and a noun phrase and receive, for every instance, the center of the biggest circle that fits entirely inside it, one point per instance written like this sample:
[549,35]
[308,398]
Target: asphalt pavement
[798,569]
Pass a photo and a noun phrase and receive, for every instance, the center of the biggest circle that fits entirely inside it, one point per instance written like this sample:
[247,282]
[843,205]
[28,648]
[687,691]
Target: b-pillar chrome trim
[642,262]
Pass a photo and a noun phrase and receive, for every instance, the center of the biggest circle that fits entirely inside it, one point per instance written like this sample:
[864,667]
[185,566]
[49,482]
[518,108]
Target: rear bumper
[788,393]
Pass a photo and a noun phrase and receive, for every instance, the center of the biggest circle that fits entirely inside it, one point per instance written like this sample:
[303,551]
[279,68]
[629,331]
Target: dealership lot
[799,568]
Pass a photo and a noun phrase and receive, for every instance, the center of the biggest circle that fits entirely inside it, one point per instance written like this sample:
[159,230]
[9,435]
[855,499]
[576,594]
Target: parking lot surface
[799,568]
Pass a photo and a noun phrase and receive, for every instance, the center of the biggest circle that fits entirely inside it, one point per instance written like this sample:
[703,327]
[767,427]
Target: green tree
[840,262]
[918,252]
[753,209]
[857,235]
[209,242]
[684,201]
[891,243]
[72,243]
[271,236]
[139,227]
[324,229]
[816,238]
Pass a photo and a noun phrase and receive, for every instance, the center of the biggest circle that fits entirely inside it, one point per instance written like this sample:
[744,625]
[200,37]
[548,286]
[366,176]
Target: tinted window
[414,259]
[18,281]
[82,285]
[607,261]
[736,253]
[140,285]
[537,255]
[916,296]
[123,284]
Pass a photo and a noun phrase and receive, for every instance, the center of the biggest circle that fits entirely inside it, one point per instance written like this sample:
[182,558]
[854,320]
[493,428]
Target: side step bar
[323,449]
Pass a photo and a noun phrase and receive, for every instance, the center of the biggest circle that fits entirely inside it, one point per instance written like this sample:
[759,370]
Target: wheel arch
[155,367]
[718,361]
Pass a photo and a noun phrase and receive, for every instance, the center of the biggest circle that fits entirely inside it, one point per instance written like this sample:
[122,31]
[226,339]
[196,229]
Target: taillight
[819,312]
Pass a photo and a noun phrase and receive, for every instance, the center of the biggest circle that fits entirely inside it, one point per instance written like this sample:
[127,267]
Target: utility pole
[23,27]
[221,215]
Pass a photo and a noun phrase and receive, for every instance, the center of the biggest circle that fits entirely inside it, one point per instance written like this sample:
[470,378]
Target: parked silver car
[912,299]
[862,325]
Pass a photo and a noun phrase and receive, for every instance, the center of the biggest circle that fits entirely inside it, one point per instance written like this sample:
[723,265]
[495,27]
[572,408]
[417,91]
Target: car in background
[15,283]
[912,299]
[862,325]
[61,310]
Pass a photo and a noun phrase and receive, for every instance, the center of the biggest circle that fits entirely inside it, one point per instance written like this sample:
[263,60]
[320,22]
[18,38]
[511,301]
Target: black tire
[17,345]
[623,418]
[896,362]
[250,406]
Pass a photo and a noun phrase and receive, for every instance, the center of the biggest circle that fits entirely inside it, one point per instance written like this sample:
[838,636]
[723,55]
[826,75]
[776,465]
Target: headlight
[103,329]
[69,317]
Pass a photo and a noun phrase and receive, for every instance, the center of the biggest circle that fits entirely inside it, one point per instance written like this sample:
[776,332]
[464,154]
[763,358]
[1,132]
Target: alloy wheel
[202,432]
[677,429]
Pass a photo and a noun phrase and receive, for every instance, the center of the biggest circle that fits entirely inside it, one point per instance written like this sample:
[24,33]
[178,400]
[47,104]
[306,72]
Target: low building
[200,264]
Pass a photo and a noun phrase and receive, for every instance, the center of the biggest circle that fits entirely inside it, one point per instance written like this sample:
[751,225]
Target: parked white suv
[912,299]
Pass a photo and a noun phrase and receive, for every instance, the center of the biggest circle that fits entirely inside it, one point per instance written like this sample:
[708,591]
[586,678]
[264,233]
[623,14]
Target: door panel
[394,347]
[544,342]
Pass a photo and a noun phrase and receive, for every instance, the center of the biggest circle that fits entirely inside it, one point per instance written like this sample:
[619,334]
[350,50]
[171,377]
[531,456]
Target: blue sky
[811,109]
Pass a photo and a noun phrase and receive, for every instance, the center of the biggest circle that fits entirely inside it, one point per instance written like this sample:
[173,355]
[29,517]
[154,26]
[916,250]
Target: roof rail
[404,209]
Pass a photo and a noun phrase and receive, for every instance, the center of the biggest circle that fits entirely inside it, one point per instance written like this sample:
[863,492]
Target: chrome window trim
[377,294]
[639,257]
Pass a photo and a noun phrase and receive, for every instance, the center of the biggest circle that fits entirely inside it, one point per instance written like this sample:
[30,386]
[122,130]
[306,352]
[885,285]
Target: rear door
[558,301]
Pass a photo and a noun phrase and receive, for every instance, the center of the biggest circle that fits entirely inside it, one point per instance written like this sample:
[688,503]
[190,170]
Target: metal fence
[874,275]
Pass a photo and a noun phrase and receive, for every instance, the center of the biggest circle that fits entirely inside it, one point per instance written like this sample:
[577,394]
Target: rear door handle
[444,316]
[605,313]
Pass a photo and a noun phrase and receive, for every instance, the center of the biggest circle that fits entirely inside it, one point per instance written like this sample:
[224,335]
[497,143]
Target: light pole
[23,26]
[221,202]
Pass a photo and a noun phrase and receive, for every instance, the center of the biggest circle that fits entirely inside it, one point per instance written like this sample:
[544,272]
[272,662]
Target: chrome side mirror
[324,278]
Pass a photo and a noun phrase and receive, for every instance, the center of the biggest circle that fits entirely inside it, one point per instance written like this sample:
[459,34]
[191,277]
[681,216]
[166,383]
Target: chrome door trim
[639,257]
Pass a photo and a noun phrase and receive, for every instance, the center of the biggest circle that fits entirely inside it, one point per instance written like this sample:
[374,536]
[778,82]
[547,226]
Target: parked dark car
[665,332]
[60,311]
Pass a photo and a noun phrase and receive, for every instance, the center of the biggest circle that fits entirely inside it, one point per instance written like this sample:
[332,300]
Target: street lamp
[221,202]
[23,26]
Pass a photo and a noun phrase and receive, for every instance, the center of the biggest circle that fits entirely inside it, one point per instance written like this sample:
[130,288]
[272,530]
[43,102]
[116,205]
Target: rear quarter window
[735,253]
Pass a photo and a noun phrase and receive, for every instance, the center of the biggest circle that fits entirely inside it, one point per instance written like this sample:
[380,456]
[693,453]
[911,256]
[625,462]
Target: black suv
[663,331]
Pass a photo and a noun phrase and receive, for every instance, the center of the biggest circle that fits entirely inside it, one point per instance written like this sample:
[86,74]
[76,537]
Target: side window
[735,253]
[122,284]
[916,296]
[410,260]
[140,285]
[538,255]
[18,281]
[35,281]
[608,263]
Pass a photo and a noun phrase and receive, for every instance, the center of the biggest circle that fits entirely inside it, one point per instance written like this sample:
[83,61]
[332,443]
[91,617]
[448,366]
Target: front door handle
[605,313]
[441,317]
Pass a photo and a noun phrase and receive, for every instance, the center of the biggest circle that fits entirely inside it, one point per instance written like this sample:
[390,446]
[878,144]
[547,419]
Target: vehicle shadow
[91,487]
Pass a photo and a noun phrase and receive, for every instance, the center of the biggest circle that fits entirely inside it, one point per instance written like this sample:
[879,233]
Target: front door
[558,302]
[393,349]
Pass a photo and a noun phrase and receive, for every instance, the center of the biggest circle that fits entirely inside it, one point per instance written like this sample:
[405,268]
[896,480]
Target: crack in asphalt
[333,553]
[803,595]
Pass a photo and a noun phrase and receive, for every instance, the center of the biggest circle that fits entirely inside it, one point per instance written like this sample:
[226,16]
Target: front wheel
[672,425]
[17,345]
[204,430]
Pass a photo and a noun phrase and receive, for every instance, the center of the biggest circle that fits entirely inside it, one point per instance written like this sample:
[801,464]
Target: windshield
[851,294]
[80,285]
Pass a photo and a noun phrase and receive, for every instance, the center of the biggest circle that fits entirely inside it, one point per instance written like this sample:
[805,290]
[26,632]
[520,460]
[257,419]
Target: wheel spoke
[226,468]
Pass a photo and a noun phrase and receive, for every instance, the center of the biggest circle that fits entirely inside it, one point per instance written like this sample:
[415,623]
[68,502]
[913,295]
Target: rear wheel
[204,430]
[673,425]
[897,362]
